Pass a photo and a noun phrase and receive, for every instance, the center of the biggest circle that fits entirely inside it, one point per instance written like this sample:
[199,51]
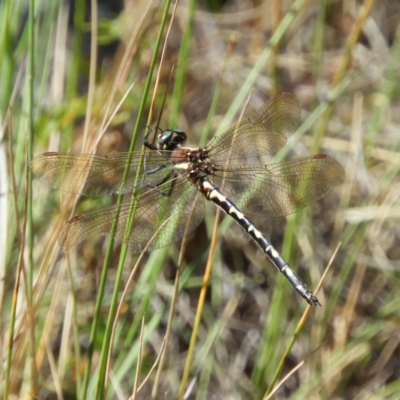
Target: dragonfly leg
[159,185]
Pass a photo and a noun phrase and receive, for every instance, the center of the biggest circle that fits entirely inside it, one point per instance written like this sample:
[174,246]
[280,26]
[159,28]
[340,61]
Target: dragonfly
[169,200]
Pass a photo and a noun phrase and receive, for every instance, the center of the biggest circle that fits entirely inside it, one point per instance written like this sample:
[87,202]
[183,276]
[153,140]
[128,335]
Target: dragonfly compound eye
[170,139]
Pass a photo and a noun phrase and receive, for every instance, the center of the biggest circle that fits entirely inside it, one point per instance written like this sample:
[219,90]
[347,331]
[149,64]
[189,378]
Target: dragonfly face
[170,139]
[176,180]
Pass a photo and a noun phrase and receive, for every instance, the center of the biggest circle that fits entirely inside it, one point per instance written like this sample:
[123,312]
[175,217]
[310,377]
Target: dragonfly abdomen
[212,193]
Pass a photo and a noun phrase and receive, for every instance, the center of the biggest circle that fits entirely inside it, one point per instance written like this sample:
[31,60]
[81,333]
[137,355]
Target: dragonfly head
[170,139]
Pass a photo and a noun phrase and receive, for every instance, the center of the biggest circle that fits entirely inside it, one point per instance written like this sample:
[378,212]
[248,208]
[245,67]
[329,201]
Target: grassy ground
[103,323]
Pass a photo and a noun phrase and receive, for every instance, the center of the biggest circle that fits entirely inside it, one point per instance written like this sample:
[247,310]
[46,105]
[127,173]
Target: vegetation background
[68,331]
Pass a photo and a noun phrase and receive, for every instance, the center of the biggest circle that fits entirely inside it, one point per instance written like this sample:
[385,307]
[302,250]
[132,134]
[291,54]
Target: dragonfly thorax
[170,139]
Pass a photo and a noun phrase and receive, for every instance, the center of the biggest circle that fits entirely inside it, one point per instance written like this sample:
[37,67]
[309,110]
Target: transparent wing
[100,175]
[263,133]
[279,189]
[171,211]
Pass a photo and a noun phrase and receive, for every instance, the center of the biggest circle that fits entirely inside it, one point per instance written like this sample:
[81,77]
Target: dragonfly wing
[263,133]
[162,215]
[279,189]
[100,175]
